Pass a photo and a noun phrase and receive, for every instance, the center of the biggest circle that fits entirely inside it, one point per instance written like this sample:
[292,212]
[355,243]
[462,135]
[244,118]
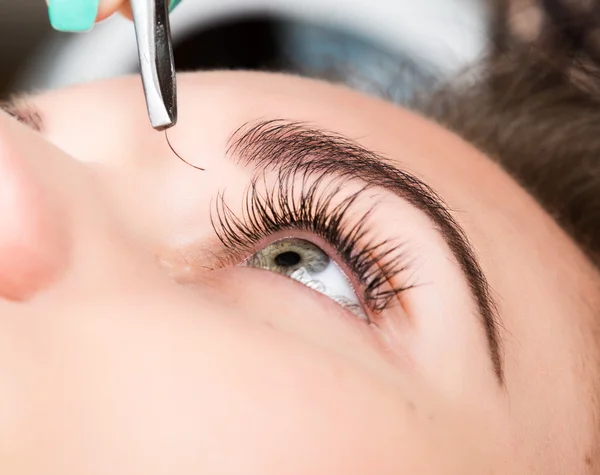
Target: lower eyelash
[309,206]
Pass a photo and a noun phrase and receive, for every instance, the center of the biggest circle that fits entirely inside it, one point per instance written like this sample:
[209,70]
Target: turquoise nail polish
[174,4]
[73,15]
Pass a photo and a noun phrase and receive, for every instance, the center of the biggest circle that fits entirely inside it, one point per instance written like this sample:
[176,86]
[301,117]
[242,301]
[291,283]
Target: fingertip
[110,7]
[126,11]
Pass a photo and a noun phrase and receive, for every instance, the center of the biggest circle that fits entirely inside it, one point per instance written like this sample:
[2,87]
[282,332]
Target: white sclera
[333,283]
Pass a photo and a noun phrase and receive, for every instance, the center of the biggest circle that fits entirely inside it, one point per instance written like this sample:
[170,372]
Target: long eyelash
[309,206]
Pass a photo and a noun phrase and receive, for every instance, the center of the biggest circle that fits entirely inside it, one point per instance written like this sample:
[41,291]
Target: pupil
[287,259]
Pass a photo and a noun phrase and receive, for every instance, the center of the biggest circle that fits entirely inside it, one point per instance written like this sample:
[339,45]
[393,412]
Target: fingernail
[73,15]
[174,4]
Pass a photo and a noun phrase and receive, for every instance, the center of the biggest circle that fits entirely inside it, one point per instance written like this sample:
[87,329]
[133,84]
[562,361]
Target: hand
[81,15]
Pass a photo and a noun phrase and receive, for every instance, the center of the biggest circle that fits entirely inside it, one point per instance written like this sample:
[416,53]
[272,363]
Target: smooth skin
[121,353]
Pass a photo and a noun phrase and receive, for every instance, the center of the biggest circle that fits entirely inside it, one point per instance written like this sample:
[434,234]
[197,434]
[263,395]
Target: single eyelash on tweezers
[309,206]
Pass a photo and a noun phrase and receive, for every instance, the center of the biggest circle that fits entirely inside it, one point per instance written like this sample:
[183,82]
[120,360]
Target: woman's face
[303,305]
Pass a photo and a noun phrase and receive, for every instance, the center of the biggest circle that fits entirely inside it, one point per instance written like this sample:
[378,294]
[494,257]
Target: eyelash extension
[178,155]
[309,206]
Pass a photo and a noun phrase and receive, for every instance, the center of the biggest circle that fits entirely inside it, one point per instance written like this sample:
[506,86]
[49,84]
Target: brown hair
[535,108]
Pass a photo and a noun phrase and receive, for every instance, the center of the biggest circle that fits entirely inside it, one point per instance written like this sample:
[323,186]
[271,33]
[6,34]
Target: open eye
[308,264]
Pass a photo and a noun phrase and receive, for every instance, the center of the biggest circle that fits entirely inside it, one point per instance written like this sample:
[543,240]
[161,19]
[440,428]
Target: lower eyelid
[371,332]
[323,299]
[328,249]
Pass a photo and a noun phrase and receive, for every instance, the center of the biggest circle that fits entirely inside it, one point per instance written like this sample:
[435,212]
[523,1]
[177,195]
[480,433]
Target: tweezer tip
[157,63]
[160,127]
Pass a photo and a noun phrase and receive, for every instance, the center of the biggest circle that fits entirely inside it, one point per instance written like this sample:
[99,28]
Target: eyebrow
[295,146]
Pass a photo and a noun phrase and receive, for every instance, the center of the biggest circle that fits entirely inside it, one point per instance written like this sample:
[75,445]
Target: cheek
[162,387]
[287,306]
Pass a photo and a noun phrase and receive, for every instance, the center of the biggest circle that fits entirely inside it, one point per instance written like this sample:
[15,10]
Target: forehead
[489,204]
[214,105]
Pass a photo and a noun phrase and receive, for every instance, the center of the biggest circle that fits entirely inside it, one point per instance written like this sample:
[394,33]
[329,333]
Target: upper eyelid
[324,208]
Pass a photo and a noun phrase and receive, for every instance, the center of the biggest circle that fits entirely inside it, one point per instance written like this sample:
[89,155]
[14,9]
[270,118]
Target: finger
[73,15]
[108,7]
[125,10]
[80,15]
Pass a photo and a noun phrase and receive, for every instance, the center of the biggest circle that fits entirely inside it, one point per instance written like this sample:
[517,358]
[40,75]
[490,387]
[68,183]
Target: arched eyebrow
[286,146]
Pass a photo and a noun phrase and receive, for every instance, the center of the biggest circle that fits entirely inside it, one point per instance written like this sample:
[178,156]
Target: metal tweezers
[157,64]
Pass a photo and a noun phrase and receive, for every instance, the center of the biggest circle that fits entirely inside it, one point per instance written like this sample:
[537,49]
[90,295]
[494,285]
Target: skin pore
[131,340]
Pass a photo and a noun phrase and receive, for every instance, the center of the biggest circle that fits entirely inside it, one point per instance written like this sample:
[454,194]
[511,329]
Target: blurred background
[23,27]
[383,47]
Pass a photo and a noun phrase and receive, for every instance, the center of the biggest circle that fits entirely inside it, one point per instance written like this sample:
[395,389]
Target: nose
[34,230]
[52,215]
